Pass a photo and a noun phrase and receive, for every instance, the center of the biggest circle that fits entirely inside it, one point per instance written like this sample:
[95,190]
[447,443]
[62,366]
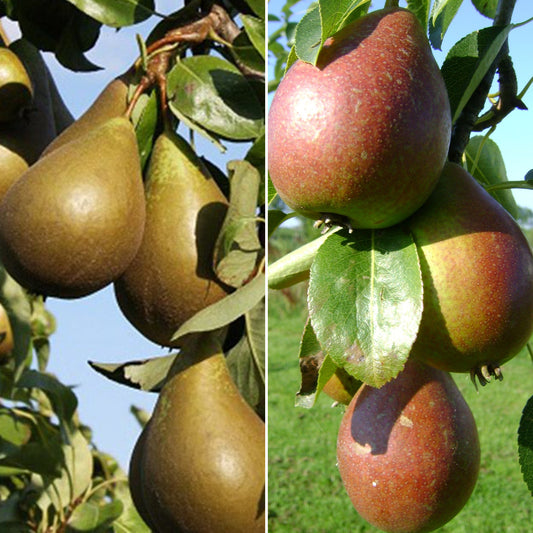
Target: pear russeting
[23,139]
[477,270]
[360,139]
[171,278]
[73,222]
[408,453]
[16,90]
[201,462]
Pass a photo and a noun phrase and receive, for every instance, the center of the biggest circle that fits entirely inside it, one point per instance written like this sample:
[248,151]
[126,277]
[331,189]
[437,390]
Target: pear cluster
[360,140]
[77,215]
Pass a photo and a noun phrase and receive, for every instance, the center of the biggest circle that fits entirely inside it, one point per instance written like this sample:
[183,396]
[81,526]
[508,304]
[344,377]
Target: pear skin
[203,465]
[110,103]
[477,271]
[408,453]
[73,222]
[361,138]
[171,277]
[16,91]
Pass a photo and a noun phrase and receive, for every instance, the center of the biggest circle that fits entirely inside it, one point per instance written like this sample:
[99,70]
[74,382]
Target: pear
[408,453]
[73,222]
[203,461]
[23,139]
[110,103]
[6,336]
[171,277]
[361,138]
[16,91]
[477,271]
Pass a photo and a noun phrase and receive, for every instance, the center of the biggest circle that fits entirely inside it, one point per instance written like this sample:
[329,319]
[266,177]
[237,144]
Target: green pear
[361,138]
[203,460]
[477,271]
[110,103]
[171,277]
[72,223]
[16,91]
[408,453]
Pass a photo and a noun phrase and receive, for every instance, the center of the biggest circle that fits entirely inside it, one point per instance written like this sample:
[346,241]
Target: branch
[467,120]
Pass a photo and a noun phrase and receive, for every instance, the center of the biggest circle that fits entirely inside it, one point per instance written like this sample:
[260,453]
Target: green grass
[305,490]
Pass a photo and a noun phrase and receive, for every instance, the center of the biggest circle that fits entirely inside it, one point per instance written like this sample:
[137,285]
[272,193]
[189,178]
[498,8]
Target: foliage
[342,292]
[199,68]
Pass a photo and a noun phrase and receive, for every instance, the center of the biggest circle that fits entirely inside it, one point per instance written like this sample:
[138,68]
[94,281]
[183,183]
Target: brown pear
[110,103]
[171,277]
[22,140]
[16,91]
[74,221]
[408,453]
[477,270]
[203,463]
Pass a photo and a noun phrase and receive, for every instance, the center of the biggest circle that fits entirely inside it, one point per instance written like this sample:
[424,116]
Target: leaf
[245,53]
[256,157]
[311,359]
[308,36]
[485,162]
[258,7]
[237,248]
[144,119]
[294,267]
[271,193]
[525,444]
[225,311]
[365,301]
[332,15]
[14,429]
[442,14]
[94,518]
[116,13]
[146,374]
[255,29]
[421,10]
[467,63]
[18,308]
[64,401]
[214,94]
[246,360]
[129,521]
[486,7]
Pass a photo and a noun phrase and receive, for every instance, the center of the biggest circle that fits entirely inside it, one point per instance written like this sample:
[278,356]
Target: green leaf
[467,63]
[213,93]
[333,14]
[93,517]
[442,14]
[256,156]
[421,10]
[525,444]
[144,118]
[146,374]
[308,36]
[365,301]
[116,13]
[271,193]
[255,29]
[18,309]
[294,267]
[225,311]
[258,7]
[14,429]
[237,248]
[486,7]
[246,360]
[485,162]
[64,401]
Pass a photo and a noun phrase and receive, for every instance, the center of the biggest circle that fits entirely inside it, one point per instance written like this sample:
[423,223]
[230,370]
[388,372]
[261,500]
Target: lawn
[304,488]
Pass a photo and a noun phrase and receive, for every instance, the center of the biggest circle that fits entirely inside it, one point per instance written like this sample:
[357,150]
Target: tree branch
[467,120]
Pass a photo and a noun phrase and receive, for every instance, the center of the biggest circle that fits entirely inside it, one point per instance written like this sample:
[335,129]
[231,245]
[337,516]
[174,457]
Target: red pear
[477,270]
[408,453]
[362,137]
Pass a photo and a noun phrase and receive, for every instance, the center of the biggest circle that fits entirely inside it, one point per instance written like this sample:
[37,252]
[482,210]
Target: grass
[305,490]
